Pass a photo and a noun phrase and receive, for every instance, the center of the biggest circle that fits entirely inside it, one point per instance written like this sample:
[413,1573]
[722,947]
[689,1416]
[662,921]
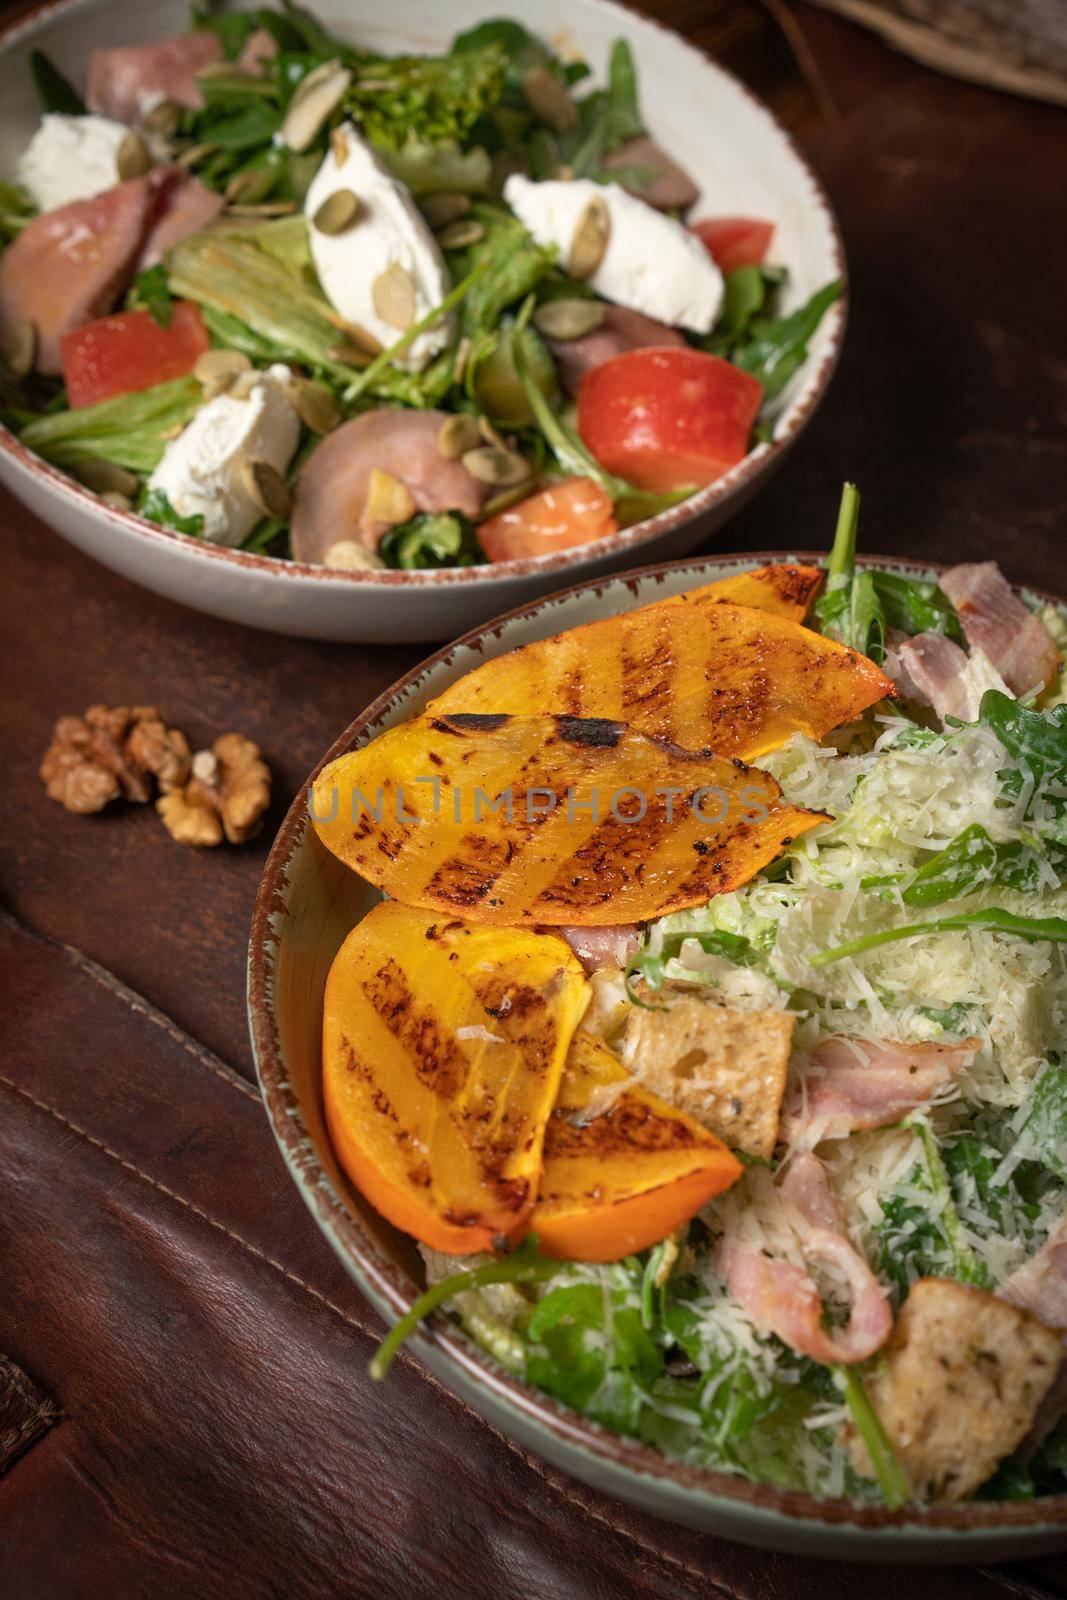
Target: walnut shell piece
[112,752]
[225,797]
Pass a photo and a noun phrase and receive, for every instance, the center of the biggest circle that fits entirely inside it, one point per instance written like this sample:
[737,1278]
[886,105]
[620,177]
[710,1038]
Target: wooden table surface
[193,1397]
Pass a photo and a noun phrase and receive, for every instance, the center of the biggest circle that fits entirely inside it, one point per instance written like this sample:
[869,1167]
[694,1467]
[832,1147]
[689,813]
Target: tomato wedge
[734,241]
[666,418]
[573,512]
[131,351]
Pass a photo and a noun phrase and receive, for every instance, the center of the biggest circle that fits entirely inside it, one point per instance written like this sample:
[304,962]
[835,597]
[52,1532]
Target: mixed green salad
[856,1316]
[276,290]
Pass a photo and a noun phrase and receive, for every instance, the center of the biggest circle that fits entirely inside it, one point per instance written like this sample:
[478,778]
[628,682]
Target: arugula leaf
[516,45]
[849,609]
[130,430]
[441,539]
[775,350]
[512,264]
[1045,1129]
[993,918]
[151,293]
[525,1264]
[974,861]
[157,508]
[887,1468]
[915,606]
[651,967]
[53,90]
[1037,743]
[917,1235]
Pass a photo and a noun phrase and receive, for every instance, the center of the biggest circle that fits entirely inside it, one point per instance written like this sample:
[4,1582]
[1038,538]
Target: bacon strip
[70,265]
[1040,1284]
[867,1083]
[1040,1287]
[128,82]
[782,1298]
[996,621]
[603,947]
[935,671]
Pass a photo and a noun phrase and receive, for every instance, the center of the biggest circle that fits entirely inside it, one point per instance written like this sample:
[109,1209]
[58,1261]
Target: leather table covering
[186,1354]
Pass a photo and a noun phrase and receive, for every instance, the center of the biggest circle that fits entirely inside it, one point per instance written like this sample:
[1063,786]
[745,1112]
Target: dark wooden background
[160,1283]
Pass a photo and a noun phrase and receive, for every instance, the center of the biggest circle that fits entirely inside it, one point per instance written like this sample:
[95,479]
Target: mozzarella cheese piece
[652,263]
[70,158]
[202,470]
[389,231]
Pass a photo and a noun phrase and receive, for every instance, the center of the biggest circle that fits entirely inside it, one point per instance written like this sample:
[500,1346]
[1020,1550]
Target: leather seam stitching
[140,1007]
[188,1205]
[661,1557]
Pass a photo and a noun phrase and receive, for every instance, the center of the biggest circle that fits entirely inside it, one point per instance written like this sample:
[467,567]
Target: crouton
[725,1067]
[960,1382]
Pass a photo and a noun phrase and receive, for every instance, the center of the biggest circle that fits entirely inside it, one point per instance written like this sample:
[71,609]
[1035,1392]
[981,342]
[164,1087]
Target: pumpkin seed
[393,296]
[501,468]
[491,436]
[266,488]
[506,498]
[104,477]
[568,319]
[20,348]
[337,212]
[315,405]
[457,435]
[317,98]
[459,364]
[265,208]
[464,231]
[441,209]
[363,337]
[590,239]
[116,500]
[338,147]
[216,370]
[388,500]
[133,157]
[348,556]
[548,99]
[193,154]
[350,354]
[241,387]
[164,120]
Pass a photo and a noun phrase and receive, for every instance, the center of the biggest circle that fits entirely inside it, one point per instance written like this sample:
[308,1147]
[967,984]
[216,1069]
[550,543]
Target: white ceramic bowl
[729,141]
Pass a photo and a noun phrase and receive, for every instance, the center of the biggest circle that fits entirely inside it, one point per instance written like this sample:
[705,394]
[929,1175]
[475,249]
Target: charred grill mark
[463,880]
[628,1126]
[614,855]
[570,692]
[593,733]
[647,681]
[461,722]
[439,1064]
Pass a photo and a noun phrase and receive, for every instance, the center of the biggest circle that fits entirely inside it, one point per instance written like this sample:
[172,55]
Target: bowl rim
[389,1289]
[746,474]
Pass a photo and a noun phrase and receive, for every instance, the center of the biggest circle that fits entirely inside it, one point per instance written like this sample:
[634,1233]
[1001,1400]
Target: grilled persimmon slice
[552,820]
[622,1168]
[701,670]
[443,1046]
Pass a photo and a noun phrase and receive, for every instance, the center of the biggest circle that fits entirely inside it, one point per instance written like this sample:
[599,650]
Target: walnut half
[225,797]
[113,752]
